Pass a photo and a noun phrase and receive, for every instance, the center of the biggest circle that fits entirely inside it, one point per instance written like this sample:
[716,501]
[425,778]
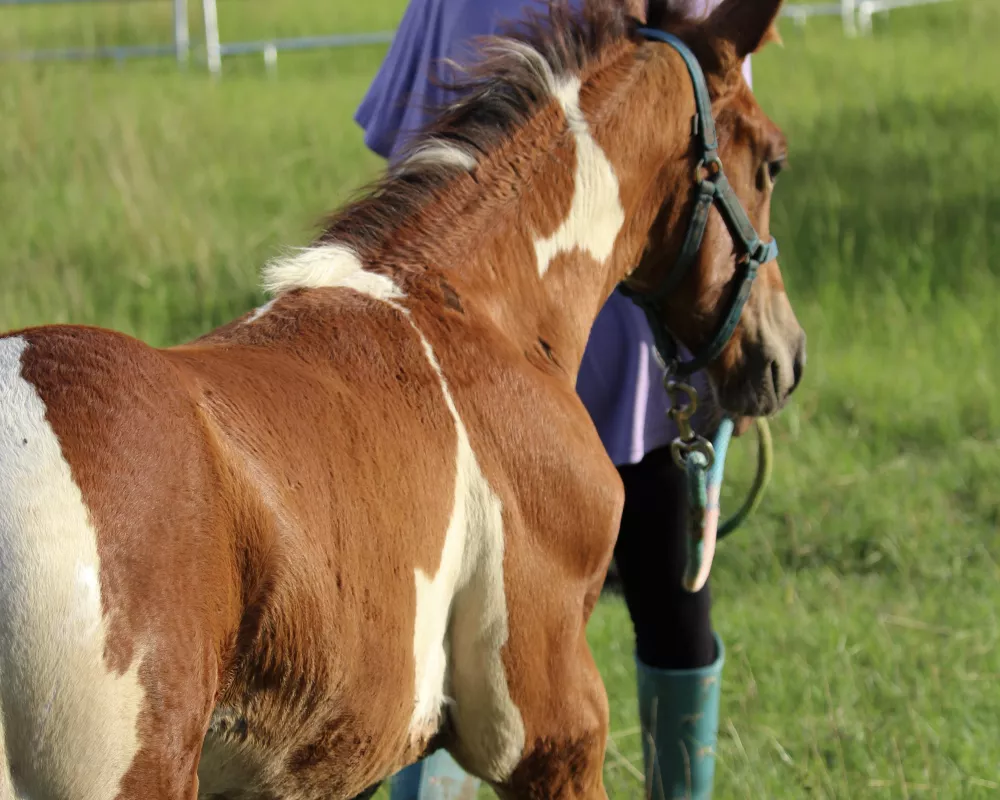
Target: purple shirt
[620,380]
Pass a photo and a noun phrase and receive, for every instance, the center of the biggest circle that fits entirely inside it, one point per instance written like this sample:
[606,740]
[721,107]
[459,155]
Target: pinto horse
[371,518]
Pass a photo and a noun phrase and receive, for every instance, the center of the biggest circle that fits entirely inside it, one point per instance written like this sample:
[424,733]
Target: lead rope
[703,463]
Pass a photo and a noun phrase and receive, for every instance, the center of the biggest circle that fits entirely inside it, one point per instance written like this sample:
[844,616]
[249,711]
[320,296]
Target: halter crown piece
[702,461]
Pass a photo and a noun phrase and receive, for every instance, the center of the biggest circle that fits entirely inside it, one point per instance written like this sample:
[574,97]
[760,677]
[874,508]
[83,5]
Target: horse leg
[532,719]
[529,713]
[566,719]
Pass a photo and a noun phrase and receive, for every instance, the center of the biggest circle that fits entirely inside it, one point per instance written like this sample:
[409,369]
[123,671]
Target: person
[679,658]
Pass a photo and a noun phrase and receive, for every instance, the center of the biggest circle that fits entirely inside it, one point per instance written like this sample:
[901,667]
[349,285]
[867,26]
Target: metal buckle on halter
[707,168]
[765,251]
[683,405]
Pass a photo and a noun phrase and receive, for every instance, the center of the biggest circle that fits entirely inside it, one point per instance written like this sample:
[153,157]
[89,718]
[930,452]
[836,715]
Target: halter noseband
[713,189]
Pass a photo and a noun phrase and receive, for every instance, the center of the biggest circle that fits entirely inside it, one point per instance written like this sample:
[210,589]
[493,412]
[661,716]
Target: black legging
[673,627]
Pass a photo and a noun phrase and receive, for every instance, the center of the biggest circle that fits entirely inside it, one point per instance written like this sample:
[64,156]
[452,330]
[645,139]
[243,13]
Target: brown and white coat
[373,517]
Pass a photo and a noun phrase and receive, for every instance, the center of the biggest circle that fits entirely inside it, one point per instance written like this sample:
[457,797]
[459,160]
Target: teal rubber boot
[679,712]
[437,777]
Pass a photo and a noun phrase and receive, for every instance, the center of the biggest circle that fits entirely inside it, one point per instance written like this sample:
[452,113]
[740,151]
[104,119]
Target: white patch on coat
[69,722]
[534,60]
[461,621]
[259,312]
[327,266]
[439,154]
[596,215]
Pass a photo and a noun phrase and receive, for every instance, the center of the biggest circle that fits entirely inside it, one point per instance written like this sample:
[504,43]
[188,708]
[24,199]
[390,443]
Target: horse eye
[775,167]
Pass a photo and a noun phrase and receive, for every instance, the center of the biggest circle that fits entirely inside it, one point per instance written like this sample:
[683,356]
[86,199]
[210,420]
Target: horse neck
[556,217]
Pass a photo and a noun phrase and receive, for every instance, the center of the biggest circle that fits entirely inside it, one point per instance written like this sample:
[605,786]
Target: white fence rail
[856,16]
[180,47]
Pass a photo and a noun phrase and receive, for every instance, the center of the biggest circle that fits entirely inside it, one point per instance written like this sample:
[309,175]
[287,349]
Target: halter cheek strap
[712,189]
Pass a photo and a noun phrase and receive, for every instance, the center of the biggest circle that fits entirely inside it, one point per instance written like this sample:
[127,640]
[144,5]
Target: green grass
[859,606]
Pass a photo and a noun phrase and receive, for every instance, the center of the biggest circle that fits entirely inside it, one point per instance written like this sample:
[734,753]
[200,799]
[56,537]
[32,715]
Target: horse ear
[636,9]
[748,24]
[771,35]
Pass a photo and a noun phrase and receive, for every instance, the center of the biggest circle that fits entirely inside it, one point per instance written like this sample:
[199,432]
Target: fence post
[213,54]
[271,59]
[866,9]
[849,17]
[182,36]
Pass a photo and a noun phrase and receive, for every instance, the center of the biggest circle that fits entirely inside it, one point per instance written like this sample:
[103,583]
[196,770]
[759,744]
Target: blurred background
[860,603]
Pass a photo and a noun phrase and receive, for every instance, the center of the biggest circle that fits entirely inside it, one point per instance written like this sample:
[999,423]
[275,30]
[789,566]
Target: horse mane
[515,76]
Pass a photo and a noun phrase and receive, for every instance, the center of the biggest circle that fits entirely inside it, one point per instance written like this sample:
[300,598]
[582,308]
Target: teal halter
[713,189]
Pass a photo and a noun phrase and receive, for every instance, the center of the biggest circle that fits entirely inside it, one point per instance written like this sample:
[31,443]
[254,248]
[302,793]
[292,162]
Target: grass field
[860,606]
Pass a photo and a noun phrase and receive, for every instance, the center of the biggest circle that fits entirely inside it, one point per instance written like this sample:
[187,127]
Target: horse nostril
[799,364]
[776,379]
